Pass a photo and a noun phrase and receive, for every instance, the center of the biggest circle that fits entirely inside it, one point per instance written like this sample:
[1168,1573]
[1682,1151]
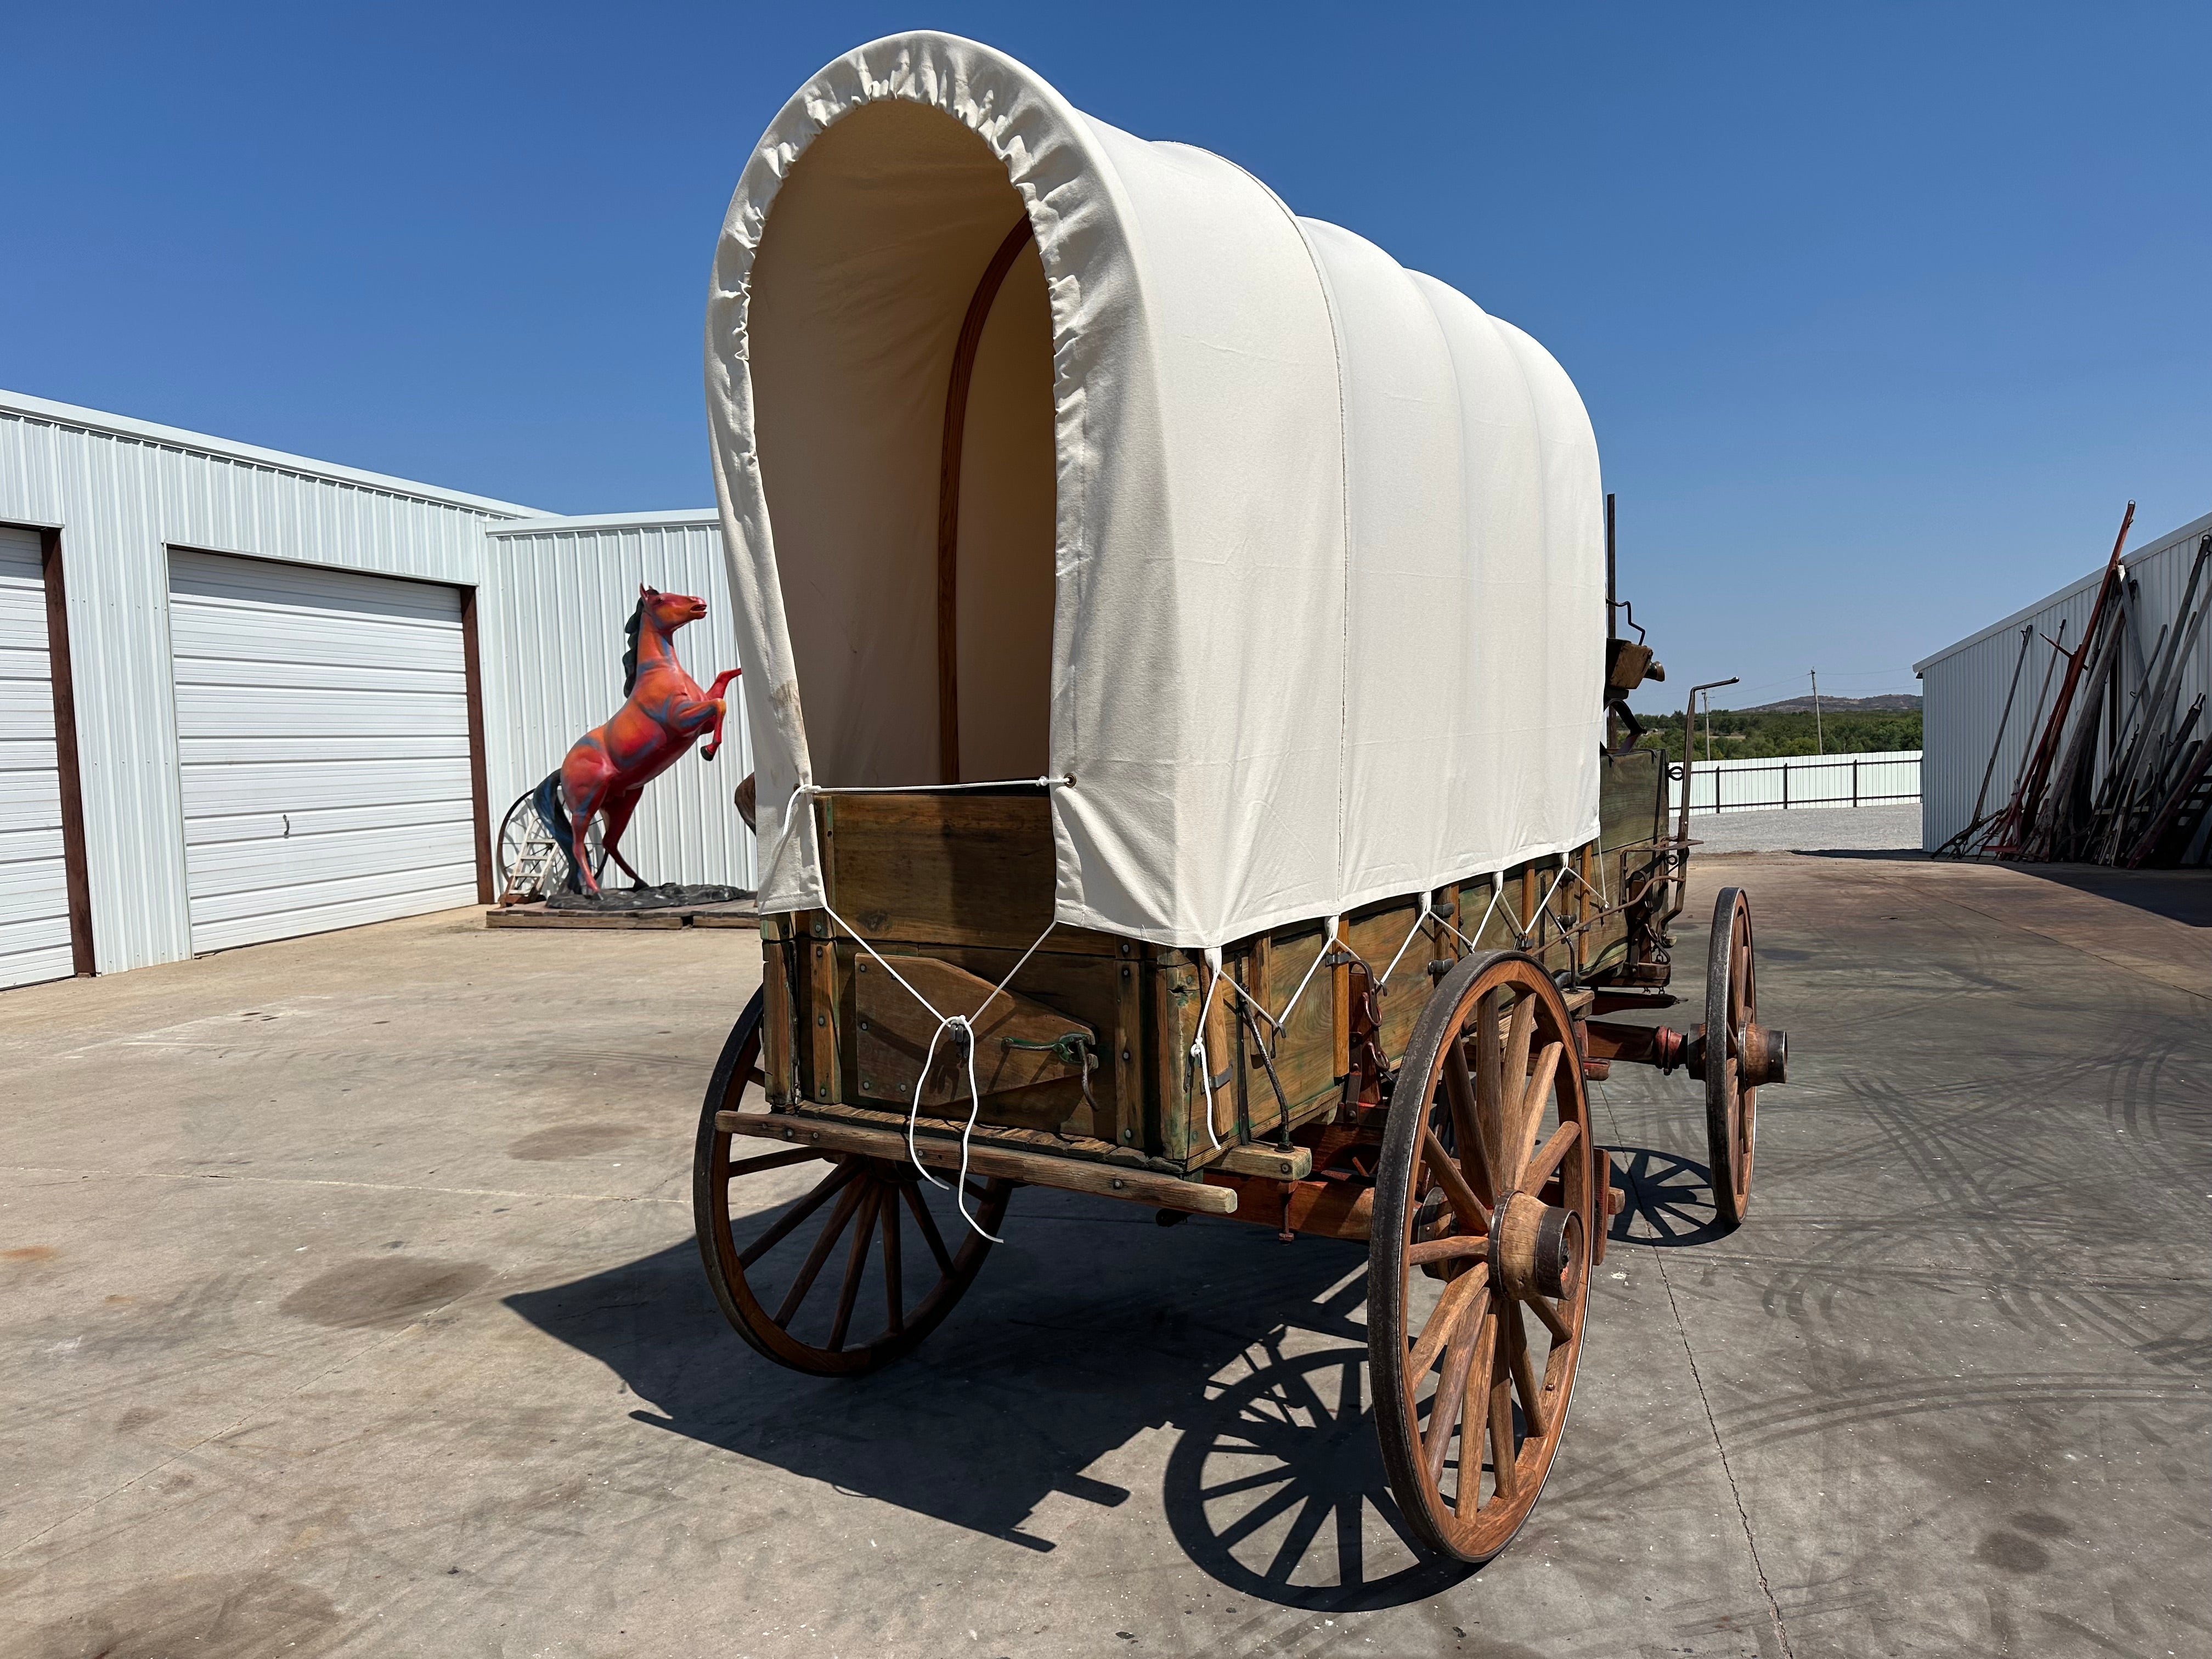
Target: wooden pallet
[738,912]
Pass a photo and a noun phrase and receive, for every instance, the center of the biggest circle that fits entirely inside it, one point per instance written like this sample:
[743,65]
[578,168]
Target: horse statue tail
[630,656]
[546,797]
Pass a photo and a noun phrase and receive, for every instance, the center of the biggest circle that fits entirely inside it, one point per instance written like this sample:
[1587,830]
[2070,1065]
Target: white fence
[1777,785]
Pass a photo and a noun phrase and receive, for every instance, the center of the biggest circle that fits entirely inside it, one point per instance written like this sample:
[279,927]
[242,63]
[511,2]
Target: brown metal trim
[479,780]
[948,499]
[77,872]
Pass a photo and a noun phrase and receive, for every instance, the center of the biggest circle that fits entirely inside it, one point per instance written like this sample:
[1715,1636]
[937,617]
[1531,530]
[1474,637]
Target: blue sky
[1882,313]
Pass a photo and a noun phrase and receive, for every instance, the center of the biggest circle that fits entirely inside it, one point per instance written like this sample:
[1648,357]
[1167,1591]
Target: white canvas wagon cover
[1285,561]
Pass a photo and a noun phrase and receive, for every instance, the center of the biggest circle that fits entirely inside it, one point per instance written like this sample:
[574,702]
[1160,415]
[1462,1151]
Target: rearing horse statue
[609,765]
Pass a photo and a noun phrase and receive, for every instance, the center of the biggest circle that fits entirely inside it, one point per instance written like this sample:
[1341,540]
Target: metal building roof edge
[550,525]
[123,426]
[2149,549]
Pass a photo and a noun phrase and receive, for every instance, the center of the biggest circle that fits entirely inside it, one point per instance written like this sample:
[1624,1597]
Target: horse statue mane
[663,713]
[629,654]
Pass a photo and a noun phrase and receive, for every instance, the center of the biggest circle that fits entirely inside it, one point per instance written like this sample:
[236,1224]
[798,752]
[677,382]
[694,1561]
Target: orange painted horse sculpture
[609,765]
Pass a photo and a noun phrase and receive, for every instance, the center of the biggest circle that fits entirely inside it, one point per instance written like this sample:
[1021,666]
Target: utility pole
[1820,743]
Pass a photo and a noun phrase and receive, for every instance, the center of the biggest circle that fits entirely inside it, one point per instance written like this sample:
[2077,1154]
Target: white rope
[1329,943]
[807,790]
[1412,934]
[1522,936]
[1197,1043]
[935,788]
[965,1024]
[1330,938]
[1496,892]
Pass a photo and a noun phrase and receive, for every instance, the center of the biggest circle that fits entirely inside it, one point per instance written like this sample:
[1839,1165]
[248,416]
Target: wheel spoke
[1524,1381]
[894,1290]
[1467,1497]
[1517,1038]
[772,1161]
[1550,1315]
[1472,1212]
[1529,1116]
[1505,1468]
[1467,1130]
[1451,1393]
[1489,1074]
[856,1264]
[848,1201]
[831,1183]
[927,1223]
[1452,1247]
[1561,1142]
[1465,1302]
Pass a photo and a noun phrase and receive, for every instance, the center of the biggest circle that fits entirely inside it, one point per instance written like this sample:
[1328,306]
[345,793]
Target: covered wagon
[1179,656]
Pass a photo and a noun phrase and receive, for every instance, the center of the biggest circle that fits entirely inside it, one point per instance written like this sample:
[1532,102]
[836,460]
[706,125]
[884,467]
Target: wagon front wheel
[1478,1281]
[830,1264]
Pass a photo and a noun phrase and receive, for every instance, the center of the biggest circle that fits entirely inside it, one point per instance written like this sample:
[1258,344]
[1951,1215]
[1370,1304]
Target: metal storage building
[246,695]
[1964,686]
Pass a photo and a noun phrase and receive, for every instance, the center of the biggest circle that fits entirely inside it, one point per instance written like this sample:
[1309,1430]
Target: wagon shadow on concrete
[1088,1332]
[1667,1200]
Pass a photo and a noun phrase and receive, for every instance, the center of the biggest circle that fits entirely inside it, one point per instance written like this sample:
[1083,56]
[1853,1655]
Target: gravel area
[1819,828]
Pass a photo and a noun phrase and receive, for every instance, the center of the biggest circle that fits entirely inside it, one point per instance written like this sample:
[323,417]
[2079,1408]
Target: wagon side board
[965,881]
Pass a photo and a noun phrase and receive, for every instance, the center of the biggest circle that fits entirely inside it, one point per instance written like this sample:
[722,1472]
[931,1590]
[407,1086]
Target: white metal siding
[1963,686]
[34,932]
[123,492]
[323,737]
[552,616]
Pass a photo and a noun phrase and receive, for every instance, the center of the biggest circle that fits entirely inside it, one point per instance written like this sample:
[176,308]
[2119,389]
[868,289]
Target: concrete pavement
[351,1307]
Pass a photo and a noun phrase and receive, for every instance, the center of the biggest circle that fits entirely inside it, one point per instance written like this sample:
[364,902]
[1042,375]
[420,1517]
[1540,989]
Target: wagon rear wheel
[1731,1012]
[1478,1267]
[829,1264]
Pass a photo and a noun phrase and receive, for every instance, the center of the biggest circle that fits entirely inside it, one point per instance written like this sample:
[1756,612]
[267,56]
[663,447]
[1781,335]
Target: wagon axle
[1762,1053]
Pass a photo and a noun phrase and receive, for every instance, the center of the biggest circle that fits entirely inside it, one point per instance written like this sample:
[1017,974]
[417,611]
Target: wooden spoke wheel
[1731,1015]
[1477,1270]
[827,1263]
[523,833]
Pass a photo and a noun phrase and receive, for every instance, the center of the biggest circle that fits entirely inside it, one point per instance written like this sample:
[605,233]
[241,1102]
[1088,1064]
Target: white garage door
[322,725]
[35,935]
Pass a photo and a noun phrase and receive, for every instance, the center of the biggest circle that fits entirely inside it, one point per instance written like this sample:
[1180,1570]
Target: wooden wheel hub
[1763,1056]
[1537,1248]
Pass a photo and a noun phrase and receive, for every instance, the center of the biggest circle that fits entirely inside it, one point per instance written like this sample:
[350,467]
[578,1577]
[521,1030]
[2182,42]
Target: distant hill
[1894,703]
[1847,726]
